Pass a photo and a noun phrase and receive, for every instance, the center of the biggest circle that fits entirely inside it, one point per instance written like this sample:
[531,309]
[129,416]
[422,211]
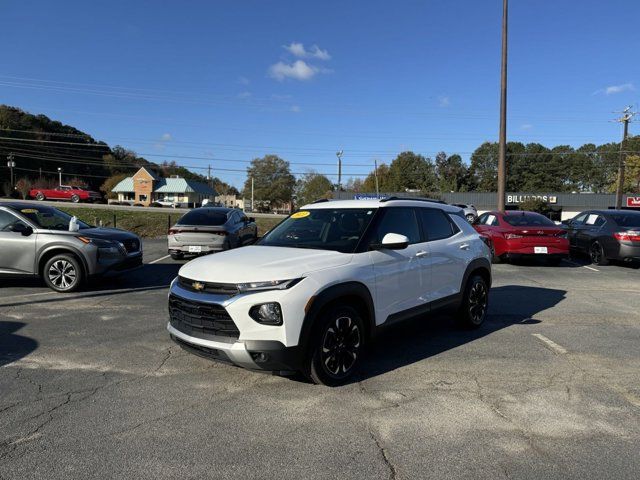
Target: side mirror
[25,230]
[394,241]
[567,222]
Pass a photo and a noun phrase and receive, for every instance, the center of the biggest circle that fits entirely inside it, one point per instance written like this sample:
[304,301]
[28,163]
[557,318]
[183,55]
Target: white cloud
[298,70]
[166,137]
[444,101]
[243,80]
[526,126]
[244,95]
[625,87]
[295,108]
[298,50]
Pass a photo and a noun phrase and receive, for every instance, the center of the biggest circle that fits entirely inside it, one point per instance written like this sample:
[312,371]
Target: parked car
[520,234]
[40,241]
[65,192]
[314,290]
[606,235]
[469,210]
[210,229]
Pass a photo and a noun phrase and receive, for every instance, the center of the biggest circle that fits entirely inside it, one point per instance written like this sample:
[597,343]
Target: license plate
[540,250]
[198,249]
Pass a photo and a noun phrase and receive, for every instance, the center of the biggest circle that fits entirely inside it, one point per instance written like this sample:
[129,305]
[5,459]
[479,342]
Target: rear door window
[400,220]
[436,224]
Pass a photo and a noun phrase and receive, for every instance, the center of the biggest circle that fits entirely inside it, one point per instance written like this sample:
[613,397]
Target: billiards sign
[516,198]
[633,202]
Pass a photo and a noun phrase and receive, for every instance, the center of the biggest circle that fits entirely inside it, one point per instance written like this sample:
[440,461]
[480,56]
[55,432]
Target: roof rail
[417,199]
[320,200]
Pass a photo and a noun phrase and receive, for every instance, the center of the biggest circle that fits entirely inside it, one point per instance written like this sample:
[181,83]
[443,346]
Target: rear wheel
[40,196]
[475,301]
[63,273]
[596,253]
[471,218]
[336,346]
[75,198]
[177,256]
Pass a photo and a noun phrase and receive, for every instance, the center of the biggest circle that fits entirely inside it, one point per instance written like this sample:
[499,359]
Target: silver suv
[43,241]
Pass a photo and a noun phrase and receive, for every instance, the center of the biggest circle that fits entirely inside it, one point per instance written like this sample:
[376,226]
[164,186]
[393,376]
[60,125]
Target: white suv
[315,289]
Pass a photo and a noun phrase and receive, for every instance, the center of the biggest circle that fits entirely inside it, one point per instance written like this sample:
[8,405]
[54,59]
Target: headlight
[267,313]
[271,285]
[106,247]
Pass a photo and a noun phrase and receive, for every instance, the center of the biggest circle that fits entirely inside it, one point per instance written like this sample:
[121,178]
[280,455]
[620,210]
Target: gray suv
[37,240]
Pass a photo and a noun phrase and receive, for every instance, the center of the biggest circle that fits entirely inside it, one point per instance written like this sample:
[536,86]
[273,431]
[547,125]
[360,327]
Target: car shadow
[422,338]
[146,278]
[13,346]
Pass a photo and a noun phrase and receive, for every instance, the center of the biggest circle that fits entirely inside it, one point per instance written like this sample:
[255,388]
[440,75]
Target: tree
[535,205]
[451,173]
[272,178]
[384,180]
[23,186]
[483,167]
[631,176]
[354,185]
[110,183]
[410,171]
[311,187]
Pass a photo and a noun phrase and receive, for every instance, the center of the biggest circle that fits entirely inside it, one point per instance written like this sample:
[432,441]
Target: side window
[7,220]
[579,220]
[594,220]
[436,224]
[401,220]
[482,218]
[493,221]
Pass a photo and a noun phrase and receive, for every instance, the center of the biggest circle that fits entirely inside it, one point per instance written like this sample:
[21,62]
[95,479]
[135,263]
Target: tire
[471,218]
[176,256]
[40,196]
[475,301]
[596,253]
[75,198]
[63,273]
[336,347]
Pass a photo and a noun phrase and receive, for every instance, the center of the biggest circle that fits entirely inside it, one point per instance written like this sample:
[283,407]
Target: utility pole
[627,114]
[252,193]
[502,143]
[375,174]
[339,155]
[11,164]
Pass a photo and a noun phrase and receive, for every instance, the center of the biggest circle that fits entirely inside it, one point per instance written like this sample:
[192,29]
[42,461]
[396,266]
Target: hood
[106,233]
[260,263]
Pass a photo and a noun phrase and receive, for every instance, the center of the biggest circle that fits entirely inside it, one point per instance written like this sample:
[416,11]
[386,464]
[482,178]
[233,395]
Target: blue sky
[233,80]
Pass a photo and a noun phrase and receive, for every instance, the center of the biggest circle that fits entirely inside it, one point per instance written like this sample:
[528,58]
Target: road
[126,208]
[92,387]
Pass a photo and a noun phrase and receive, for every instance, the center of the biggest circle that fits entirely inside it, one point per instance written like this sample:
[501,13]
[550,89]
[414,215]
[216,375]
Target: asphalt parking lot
[549,387]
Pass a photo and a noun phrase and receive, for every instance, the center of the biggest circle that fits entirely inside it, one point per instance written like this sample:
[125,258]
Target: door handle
[464,246]
[421,254]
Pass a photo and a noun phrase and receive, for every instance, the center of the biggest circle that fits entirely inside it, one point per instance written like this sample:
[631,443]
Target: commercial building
[145,188]
[562,205]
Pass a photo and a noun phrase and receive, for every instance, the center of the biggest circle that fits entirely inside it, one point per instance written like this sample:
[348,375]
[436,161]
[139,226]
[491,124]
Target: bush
[23,186]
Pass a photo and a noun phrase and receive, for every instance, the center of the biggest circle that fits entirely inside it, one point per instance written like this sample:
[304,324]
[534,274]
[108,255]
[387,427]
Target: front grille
[202,320]
[131,245]
[229,289]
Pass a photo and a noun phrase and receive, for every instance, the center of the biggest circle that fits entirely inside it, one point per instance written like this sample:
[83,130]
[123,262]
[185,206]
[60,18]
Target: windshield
[50,218]
[629,220]
[204,216]
[323,229]
[528,220]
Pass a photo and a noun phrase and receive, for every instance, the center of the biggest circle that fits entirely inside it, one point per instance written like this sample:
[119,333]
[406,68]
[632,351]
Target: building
[561,205]
[145,188]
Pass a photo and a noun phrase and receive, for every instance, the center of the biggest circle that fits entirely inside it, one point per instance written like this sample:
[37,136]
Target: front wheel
[471,218]
[40,196]
[75,198]
[475,300]
[336,347]
[63,273]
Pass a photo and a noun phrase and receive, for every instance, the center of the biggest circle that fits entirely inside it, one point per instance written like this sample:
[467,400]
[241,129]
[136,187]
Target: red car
[519,234]
[65,192]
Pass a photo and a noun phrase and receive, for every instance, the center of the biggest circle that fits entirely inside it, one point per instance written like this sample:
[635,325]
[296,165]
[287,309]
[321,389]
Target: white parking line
[159,259]
[34,294]
[583,266]
[550,343]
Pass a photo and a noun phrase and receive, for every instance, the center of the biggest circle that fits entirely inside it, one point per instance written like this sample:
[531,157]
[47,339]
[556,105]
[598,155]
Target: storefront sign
[633,202]
[369,196]
[523,198]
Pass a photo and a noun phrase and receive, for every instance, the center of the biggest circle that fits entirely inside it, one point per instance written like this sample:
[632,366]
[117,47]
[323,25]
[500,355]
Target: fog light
[267,313]
[259,357]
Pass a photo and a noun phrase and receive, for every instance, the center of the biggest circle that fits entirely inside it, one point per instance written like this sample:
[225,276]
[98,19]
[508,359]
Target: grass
[143,224]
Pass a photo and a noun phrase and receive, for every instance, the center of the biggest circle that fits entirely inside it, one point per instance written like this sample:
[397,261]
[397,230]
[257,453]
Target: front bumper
[117,265]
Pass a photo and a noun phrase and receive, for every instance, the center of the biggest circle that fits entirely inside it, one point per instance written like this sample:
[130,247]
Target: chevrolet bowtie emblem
[198,286]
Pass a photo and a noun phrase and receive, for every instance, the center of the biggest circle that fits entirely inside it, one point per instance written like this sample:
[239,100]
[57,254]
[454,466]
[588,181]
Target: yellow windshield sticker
[300,214]
[29,210]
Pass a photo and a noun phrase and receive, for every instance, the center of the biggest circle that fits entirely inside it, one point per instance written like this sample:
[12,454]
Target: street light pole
[59,176]
[502,143]
[11,164]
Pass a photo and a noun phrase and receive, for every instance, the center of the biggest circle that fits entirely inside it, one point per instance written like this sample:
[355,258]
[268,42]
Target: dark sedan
[606,235]
[210,229]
